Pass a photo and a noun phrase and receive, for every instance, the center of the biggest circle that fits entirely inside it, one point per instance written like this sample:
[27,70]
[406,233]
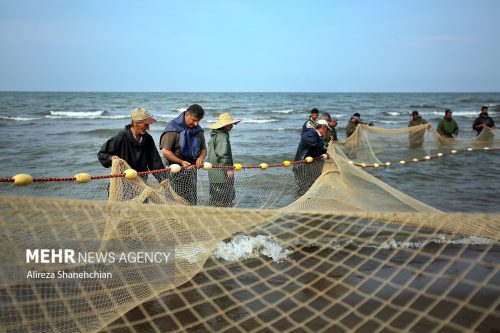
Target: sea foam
[245,247]
[18,118]
[72,114]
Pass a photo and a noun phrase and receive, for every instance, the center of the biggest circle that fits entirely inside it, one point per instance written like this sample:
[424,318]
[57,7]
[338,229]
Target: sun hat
[324,123]
[141,115]
[224,119]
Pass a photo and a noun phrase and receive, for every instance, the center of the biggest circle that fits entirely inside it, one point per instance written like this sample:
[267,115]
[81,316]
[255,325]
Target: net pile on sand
[350,254]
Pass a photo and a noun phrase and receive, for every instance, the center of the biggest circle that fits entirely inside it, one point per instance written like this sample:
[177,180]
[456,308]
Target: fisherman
[416,138]
[311,144]
[134,145]
[484,120]
[182,142]
[416,120]
[311,122]
[352,124]
[447,126]
[331,134]
[219,153]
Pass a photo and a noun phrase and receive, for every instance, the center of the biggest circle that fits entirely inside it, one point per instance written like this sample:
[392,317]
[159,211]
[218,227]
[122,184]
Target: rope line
[423,159]
[261,166]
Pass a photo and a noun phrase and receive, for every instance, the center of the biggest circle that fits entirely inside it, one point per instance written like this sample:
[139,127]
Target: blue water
[50,134]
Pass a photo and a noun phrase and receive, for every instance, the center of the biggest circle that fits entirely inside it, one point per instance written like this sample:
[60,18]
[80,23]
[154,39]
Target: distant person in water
[416,138]
[447,126]
[134,145]
[311,122]
[182,142]
[311,144]
[331,134]
[416,120]
[353,123]
[484,120]
[219,153]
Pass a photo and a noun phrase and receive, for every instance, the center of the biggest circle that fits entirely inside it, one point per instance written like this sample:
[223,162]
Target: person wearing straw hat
[219,153]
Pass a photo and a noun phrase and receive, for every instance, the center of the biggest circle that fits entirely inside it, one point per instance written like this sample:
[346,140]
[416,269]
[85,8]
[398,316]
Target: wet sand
[365,290]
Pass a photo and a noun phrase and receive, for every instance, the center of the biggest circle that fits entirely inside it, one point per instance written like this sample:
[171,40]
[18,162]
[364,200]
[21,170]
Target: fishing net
[320,246]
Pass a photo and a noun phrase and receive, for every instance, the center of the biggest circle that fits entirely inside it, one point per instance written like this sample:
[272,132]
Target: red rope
[230,167]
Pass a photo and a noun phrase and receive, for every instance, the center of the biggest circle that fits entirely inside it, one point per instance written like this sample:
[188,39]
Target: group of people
[448,127]
[182,142]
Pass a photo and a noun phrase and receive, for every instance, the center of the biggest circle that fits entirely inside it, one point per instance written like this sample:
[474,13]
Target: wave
[283,111]
[392,121]
[115,117]
[477,100]
[246,247]
[455,113]
[19,118]
[74,114]
[425,106]
[259,121]
[102,132]
[179,110]
[394,113]
[84,115]
[249,120]
[288,129]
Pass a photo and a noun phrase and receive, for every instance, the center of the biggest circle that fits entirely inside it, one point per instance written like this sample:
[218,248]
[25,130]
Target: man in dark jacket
[134,145]
[311,144]
[484,120]
[182,142]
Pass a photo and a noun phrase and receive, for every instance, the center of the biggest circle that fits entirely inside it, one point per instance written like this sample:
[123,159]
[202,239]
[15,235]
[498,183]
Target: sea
[58,134]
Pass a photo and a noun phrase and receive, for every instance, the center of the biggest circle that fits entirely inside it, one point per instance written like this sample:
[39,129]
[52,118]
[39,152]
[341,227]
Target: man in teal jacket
[219,153]
[447,126]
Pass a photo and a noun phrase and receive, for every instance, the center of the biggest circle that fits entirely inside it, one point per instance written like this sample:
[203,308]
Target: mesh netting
[290,251]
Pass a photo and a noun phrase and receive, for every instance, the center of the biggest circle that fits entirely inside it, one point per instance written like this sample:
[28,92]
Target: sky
[250,45]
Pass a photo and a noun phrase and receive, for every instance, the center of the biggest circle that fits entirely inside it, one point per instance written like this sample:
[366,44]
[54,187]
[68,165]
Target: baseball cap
[323,122]
[142,115]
